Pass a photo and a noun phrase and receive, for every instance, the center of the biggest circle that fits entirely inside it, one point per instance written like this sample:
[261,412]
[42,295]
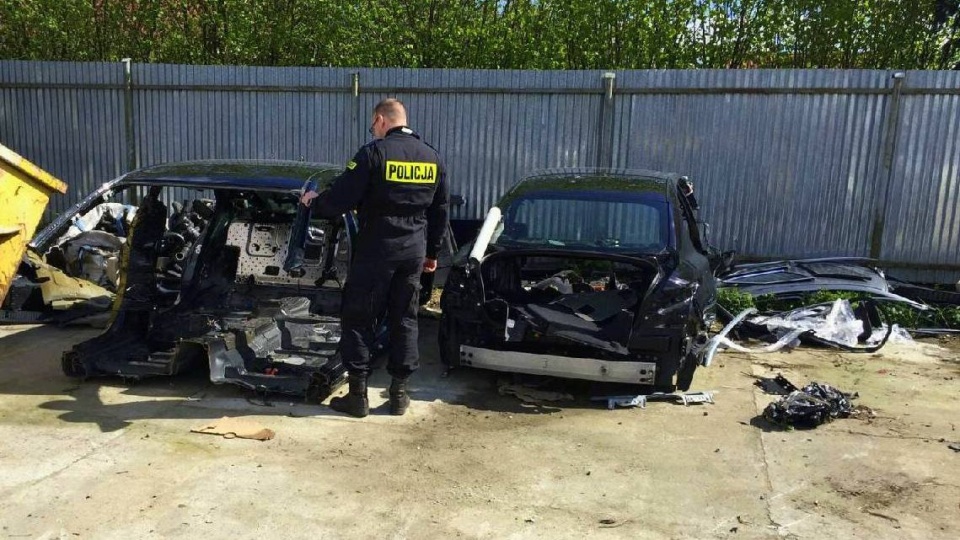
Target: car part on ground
[641,400]
[591,274]
[778,385]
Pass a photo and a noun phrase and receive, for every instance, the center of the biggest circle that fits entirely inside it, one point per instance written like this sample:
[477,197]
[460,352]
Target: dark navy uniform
[398,186]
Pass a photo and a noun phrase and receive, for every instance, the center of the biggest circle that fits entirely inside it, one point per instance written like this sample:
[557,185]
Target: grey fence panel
[713,80]
[74,133]
[922,222]
[786,162]
[778,175]
[191,112]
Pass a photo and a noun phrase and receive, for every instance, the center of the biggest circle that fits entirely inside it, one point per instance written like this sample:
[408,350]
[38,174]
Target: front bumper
[559,366]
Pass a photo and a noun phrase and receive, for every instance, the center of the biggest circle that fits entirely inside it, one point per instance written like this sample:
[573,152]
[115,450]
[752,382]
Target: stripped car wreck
[203,282]
[601,275]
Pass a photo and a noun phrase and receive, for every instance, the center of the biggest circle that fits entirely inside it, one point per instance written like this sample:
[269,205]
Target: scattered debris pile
[810,406]
[845,304]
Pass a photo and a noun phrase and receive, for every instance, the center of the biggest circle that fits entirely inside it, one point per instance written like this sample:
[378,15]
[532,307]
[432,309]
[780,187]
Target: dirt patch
[876,491]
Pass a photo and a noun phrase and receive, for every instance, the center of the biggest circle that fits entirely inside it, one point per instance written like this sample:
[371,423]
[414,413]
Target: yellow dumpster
[24,192]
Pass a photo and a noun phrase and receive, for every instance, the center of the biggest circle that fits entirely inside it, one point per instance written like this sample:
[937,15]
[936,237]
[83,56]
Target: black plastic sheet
[810,406]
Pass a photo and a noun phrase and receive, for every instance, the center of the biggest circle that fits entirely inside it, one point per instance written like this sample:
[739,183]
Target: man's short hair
[391,109]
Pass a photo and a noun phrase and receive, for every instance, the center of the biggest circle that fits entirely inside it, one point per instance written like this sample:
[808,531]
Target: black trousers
[376,289]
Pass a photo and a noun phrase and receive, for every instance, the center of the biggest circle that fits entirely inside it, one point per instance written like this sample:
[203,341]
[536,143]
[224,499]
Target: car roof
[604,179]
[235,173]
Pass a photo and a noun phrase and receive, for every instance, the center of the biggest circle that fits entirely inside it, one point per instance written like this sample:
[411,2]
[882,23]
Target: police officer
[398,185]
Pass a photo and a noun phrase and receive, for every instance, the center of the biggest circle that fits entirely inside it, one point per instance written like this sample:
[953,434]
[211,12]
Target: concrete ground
[107,459]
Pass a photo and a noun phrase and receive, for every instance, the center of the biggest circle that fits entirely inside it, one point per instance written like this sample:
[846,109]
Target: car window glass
[605,221]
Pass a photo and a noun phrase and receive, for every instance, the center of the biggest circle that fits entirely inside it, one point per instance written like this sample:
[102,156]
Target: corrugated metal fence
[787,162]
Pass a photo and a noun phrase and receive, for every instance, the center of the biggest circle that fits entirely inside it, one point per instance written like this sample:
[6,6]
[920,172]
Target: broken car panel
[794,278]
[590,274]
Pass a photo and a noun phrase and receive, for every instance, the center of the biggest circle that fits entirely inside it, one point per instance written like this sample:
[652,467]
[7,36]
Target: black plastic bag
[810,406]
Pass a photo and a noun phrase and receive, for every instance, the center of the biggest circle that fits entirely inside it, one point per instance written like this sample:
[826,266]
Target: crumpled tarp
[810,406]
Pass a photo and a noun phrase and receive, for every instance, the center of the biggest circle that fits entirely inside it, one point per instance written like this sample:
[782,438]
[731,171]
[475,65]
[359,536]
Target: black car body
[202,282]
[600,275]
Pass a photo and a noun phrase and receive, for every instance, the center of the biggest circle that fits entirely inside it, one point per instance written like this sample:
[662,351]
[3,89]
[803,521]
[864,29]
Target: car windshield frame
[657,201]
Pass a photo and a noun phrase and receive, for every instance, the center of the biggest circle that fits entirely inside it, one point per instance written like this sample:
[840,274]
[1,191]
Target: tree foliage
[521,34]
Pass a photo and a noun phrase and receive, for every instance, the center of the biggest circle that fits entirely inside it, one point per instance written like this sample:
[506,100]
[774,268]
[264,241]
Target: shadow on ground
[30,365]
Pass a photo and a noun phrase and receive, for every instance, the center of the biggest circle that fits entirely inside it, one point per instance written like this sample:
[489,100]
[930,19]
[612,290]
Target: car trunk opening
[567,303]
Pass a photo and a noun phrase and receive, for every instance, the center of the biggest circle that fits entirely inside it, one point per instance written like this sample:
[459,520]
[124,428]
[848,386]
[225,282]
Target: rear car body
[600,275]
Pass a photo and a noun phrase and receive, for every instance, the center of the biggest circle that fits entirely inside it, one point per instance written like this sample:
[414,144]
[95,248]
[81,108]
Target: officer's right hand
[307,198]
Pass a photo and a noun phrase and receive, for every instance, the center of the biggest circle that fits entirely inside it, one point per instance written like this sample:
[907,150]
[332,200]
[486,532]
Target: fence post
[882,196]
[605,125]
[128,116]
[355,113]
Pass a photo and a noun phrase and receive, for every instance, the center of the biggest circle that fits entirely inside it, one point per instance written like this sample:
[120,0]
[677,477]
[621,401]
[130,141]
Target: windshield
[600,220]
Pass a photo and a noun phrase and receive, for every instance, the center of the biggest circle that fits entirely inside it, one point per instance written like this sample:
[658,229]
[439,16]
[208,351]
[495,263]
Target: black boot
[355,403]
[399,400]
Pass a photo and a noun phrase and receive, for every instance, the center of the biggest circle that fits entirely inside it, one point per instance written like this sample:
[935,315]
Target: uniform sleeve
[347,190]
[437,215]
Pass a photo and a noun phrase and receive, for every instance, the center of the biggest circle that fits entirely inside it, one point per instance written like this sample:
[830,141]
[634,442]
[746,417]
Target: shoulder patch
[351,165]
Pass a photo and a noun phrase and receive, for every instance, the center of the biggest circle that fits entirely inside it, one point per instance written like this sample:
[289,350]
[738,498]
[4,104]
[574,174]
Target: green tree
[520,34]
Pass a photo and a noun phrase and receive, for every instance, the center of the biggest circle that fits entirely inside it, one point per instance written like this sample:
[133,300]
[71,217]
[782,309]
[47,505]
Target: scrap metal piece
[21,317]
[623,401]
[774,347]
[642,399]
[794,277]
[778,385]
[696,397]
[715,340]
